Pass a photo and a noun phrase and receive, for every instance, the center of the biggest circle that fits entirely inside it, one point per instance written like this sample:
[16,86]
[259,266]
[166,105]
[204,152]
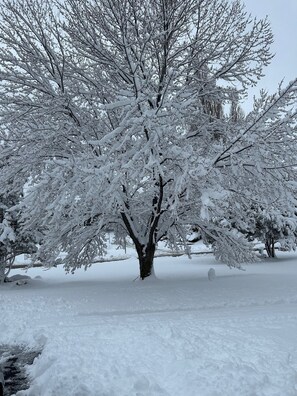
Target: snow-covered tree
[112,111]
[7,239]
[270,224]
[13,239]
[276,227]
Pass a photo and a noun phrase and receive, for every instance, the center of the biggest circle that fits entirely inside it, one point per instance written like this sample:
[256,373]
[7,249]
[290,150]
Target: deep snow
[104,334]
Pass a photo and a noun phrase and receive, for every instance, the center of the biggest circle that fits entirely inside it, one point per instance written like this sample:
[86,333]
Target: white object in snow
[211,274]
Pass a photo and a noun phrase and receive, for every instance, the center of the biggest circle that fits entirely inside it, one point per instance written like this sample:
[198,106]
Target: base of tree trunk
[270,247]
[146,262]
[146,269]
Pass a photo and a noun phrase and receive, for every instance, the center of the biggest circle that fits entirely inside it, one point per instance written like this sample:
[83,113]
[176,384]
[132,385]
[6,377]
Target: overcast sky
[282,15]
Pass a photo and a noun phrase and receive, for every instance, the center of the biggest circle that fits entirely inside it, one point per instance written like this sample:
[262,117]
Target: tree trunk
[270,246]
[146,260]
[2,276]
[2,269]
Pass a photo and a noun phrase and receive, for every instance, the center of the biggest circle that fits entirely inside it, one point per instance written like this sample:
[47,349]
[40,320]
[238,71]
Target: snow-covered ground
[104,334]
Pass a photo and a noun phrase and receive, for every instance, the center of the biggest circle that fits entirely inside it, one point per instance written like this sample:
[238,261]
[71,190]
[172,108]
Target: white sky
[282,15]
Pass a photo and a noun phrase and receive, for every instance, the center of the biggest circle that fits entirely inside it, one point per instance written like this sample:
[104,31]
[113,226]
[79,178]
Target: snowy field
[104,334]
